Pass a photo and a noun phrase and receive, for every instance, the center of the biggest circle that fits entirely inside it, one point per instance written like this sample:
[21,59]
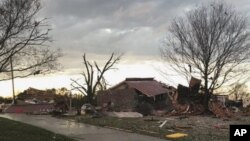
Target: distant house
[126,95]
[223,99]
[38,102]
[226,102]
[30,108]
[35,96]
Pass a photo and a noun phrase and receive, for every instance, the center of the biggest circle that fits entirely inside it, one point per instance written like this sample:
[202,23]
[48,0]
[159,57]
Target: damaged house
[130,93]
[37,101]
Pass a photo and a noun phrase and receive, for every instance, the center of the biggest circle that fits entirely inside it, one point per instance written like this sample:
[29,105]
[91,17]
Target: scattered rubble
[220,111]
[186,99]
[163,123]
[189,101]
[246,111]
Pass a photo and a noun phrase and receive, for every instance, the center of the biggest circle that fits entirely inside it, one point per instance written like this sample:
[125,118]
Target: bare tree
[212,43]
[94,77]
[23,39]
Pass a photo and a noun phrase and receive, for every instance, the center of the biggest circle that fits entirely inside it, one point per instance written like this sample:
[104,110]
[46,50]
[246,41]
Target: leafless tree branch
[23,38]
[94,78]
[213,40]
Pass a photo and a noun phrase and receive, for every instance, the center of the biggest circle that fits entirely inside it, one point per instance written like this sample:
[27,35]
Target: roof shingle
[147,86]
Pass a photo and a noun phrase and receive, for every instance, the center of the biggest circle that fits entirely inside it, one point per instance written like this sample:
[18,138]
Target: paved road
[79,131]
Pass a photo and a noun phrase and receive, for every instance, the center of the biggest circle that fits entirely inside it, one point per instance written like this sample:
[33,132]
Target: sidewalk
[78,131]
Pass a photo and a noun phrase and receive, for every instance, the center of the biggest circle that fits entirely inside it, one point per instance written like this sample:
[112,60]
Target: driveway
[78,131]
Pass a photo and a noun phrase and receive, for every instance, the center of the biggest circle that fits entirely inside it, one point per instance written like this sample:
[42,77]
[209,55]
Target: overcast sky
[99,27]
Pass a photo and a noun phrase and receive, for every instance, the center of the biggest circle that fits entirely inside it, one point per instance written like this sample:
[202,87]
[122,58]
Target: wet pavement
[78,131]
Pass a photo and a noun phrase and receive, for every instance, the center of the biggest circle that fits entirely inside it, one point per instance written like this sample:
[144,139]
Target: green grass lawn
[16,131]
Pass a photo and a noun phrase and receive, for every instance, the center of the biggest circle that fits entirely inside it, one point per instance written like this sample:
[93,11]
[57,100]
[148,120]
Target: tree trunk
[206,101]
[90,98]
[207,96]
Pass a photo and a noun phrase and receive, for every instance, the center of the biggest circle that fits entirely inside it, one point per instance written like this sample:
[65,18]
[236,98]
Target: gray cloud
[135,27]
[99,27]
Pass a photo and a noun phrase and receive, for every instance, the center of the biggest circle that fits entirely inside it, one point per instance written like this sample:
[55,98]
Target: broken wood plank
[165,121]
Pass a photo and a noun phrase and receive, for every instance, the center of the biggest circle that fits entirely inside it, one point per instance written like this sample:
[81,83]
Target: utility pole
[70,102]
[12,78]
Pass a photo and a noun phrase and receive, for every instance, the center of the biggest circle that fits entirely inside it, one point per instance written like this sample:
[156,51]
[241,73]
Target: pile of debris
[220,111]
[189,101]
[246,111]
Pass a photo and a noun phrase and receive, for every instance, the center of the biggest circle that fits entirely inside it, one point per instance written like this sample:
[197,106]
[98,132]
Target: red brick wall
[122,99]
